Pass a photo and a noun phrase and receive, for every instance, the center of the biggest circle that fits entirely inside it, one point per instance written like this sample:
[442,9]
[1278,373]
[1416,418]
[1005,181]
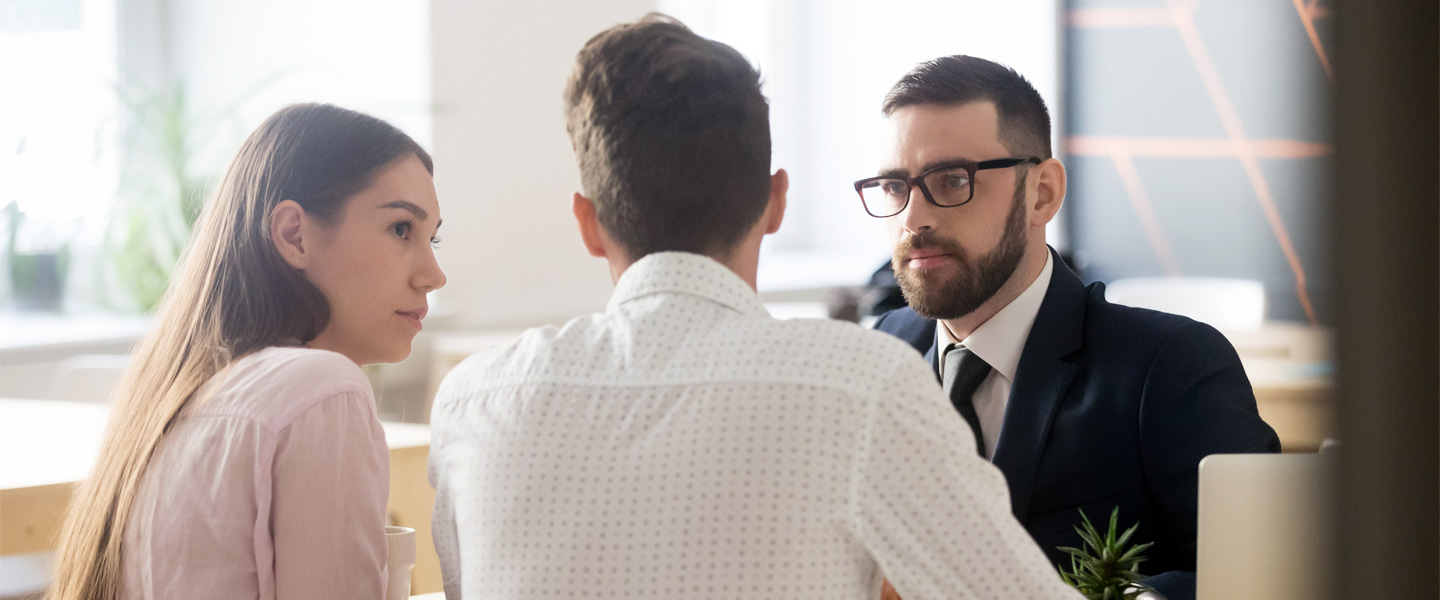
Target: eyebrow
[939,164]
[410,206]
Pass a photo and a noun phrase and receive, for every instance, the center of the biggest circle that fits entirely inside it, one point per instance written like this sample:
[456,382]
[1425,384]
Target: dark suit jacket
[1114,406]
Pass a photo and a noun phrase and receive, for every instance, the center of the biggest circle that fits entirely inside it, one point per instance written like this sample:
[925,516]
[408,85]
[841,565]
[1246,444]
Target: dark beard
[935,298]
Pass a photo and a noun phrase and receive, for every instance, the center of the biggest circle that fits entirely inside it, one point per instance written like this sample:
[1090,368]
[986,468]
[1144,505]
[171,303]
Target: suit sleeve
[1197,402]
[934,515]
[880,321]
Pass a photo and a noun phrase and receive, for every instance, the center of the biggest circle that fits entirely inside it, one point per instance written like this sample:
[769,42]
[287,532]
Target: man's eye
[401,229]
[894,188]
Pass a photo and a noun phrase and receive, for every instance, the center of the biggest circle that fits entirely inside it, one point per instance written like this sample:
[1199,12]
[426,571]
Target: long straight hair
[233,295]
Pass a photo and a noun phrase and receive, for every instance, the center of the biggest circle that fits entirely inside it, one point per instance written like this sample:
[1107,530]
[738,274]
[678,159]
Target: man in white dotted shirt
[683,443]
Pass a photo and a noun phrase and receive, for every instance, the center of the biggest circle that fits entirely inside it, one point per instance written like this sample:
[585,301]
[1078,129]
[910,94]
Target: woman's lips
[413,316]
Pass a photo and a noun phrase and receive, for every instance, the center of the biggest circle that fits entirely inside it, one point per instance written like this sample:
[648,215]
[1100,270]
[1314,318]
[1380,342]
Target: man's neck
[743,260]
[1030,267]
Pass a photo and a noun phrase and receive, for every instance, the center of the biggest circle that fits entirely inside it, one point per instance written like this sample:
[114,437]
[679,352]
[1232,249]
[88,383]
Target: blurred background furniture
[87,377]
[1225,303]
[1289,364]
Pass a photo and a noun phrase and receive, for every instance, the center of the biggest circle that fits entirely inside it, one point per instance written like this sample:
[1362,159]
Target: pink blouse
[272,487]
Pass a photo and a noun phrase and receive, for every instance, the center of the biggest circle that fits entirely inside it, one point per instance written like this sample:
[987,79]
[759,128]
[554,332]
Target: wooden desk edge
[30,517]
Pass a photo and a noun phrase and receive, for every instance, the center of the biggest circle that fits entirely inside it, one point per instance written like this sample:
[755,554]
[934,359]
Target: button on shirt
[684,444]
[999,342]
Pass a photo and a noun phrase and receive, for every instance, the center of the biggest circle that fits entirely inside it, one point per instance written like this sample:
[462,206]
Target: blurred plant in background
[161,194]
[37,266]
[173,153]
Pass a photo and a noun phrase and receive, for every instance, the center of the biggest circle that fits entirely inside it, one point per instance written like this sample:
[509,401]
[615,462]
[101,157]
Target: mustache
[924,240]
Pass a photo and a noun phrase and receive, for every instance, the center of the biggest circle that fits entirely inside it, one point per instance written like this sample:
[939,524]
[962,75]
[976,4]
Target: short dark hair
[954,80]
[672,135]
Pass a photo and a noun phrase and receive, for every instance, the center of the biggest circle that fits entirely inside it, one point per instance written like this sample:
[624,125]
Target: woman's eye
[435,241]
[401,229]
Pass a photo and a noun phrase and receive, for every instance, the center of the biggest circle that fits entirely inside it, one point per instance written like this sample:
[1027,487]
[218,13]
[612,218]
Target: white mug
[399,560]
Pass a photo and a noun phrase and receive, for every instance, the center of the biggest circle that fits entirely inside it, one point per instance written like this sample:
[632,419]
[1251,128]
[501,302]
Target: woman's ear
[287,225]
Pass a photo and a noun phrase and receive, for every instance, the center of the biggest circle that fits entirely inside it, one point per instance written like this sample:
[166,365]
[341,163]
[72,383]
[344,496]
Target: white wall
[504,168]
[260,55]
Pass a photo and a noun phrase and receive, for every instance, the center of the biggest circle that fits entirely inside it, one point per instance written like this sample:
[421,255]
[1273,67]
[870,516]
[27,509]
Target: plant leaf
[1125,537]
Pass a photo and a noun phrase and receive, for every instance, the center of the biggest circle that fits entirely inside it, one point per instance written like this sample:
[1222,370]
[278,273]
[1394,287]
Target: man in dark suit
[1083,404]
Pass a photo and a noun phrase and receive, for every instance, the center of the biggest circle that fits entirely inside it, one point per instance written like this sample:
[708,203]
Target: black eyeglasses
[945,186]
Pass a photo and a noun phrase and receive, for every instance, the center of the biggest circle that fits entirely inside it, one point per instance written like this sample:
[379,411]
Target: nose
[919,214]
[428,277]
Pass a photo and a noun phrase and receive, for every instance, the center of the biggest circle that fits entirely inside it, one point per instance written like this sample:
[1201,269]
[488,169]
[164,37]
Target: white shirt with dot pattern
[684,444]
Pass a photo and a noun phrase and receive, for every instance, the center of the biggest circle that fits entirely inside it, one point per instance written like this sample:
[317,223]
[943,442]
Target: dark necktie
[963,373]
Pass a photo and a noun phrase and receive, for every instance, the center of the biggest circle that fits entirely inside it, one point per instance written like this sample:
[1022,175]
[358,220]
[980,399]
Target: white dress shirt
[684,444]
[999,342]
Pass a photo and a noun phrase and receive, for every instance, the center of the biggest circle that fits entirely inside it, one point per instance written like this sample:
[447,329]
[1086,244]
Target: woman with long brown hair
[243,458]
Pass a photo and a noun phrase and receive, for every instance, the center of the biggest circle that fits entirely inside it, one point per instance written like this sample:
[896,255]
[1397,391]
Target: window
[58,143]
[115,112]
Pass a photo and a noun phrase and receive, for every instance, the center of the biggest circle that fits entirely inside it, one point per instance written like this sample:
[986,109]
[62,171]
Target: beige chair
[1225,304]
[88,377]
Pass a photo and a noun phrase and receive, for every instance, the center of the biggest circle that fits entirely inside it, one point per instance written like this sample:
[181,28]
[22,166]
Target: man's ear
[1049,191]
[775,210]
[287,225]
[589,225]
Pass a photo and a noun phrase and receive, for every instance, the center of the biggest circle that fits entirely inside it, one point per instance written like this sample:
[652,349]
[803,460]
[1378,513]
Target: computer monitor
[1266,529]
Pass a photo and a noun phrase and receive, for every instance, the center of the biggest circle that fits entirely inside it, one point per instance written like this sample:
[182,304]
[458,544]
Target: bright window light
[58,108]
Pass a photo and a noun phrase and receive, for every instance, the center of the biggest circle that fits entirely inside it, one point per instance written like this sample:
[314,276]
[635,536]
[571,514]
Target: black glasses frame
[970,167]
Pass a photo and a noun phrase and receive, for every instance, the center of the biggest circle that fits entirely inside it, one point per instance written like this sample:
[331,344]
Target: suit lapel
[1041,381]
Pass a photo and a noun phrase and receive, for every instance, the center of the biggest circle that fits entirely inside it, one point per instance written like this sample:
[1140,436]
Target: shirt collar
[1000,340]
[686,273]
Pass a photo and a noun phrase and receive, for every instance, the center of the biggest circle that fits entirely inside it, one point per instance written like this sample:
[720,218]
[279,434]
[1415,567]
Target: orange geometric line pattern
[1230,120]
[1308,14]
[1163,147]
[1154,232]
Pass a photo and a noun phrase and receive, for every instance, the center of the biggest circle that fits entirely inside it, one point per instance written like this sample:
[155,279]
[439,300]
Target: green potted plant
[37,271]
[1107,567]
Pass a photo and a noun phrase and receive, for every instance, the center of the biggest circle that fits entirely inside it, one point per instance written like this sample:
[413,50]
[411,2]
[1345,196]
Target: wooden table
[1295,398]
[46,446]
[1292,373]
